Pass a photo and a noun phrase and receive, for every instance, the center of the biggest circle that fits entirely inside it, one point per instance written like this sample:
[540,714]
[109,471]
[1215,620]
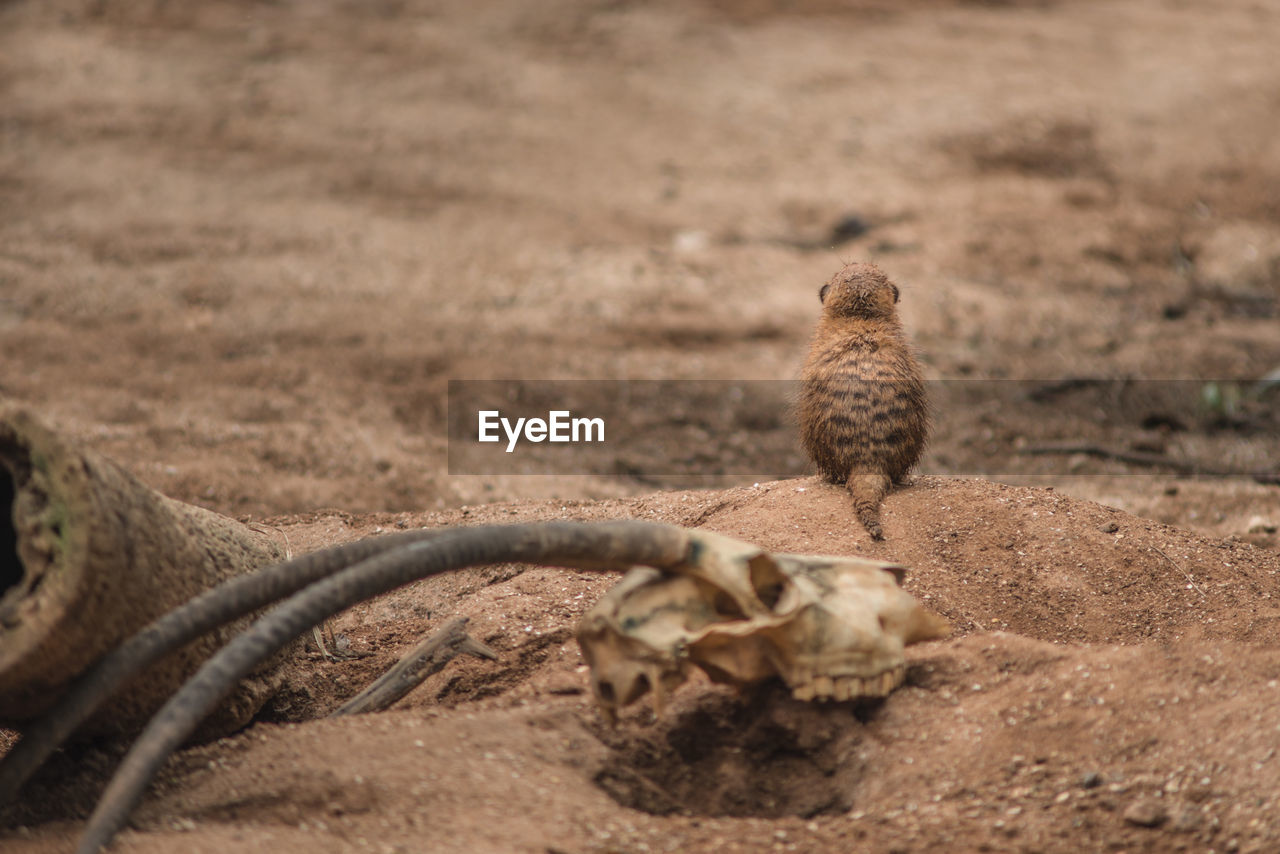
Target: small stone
[1091,780]
[690,240]
[848,227]
[1145,813]
[563,683]
[1187,820]
[1109,528]
[1239,257]
[1261,525]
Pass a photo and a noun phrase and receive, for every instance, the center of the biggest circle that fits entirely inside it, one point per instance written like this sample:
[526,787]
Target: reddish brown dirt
[244,246]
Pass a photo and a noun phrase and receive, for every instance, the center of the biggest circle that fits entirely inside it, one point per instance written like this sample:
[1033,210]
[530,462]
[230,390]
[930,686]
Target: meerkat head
[859,290]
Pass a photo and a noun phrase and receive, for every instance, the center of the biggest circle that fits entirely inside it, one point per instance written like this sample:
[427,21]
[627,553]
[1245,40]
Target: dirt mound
[991,556]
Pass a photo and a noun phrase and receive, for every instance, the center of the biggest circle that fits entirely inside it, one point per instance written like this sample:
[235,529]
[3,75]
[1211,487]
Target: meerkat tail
[868,490]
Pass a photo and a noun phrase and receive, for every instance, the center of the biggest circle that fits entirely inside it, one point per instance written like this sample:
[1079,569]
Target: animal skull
[834,628]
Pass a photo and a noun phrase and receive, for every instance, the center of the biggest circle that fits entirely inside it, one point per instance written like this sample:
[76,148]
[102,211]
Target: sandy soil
[245,246]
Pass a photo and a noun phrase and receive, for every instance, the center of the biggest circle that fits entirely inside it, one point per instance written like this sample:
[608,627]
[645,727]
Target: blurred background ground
[245,245]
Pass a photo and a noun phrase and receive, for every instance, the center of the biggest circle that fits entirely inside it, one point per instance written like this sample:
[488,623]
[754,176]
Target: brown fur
[863,414]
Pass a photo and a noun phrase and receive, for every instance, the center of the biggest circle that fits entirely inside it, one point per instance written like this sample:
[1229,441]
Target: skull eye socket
[724,606]
[822,292]
[768,581]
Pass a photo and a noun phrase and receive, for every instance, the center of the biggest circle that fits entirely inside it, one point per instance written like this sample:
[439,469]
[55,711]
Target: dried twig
[427,658]
[1141,458]
[1137,458]
[1191,582]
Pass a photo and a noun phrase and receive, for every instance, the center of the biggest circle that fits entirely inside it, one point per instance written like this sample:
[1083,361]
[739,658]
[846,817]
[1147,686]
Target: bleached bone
[833,628]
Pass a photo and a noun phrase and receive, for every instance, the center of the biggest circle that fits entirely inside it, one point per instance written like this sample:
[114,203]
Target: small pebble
[1109,528]
[1260,525]
[848,227]
[1187,820]
[564,684]
[1145,813]
[690,240]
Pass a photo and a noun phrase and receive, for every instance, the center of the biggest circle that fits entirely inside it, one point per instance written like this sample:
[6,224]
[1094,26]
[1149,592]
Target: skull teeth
[843,688]
[848,687]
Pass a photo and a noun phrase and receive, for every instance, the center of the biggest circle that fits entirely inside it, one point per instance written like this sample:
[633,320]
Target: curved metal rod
[587,545]
[206,612]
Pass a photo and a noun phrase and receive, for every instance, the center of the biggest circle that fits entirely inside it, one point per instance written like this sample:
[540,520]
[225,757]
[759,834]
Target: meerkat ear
[822,292]
[895,292]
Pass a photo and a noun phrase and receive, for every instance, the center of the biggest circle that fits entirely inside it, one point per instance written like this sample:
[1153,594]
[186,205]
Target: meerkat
[863,414]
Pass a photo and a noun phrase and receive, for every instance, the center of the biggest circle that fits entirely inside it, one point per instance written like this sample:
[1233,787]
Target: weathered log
[88,556]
